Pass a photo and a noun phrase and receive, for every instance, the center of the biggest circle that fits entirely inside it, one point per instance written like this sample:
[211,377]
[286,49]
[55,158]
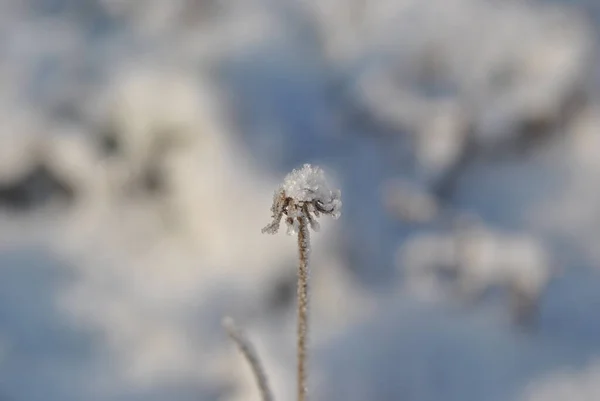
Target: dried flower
[304,193]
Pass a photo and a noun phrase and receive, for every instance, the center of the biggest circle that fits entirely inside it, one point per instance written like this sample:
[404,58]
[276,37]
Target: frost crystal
[304,196]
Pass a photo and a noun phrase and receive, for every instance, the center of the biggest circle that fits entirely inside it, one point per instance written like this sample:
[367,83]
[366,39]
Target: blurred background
[140,145]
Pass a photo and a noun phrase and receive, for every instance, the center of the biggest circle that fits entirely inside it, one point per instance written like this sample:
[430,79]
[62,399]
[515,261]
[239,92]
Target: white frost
[309,184]
[304,194]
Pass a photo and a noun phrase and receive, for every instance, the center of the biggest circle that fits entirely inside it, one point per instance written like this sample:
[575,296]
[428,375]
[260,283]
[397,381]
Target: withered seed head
[304,194]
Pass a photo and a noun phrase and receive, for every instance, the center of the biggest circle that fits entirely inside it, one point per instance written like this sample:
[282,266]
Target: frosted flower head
[304,195]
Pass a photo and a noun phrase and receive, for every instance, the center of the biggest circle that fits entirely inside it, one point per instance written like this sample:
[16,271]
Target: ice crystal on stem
[304,194]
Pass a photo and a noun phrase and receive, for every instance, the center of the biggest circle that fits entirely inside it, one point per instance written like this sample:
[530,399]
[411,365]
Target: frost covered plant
[304,195]
[302,198]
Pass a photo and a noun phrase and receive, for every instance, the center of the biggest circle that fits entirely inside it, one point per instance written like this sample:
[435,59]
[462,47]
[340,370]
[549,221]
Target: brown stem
[303,248]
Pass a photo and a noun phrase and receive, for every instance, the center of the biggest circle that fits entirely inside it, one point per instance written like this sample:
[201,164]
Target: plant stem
[303,248]
[249,353]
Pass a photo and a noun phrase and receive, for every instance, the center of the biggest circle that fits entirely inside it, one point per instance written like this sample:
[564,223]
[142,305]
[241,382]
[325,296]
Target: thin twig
[303,249]
[250,354]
